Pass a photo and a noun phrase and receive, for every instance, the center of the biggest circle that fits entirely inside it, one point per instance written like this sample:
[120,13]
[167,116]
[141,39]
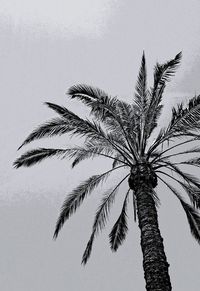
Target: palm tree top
[121,132]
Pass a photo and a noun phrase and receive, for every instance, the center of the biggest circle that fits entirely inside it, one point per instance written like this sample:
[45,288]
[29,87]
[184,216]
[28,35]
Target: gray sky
[46,47]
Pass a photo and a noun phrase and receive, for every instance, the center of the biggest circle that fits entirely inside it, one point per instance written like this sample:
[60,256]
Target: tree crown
[121,132]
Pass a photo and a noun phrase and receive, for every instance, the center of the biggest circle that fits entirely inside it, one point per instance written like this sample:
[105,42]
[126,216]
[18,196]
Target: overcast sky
[46,47]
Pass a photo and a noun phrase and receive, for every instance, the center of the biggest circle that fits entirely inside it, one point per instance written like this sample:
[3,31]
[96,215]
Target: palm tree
[122,133]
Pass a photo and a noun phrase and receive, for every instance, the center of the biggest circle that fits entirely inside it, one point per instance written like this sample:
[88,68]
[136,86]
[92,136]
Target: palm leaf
[141,104]
[76,197]
[141,99]
[35,156]
[94,149]
[193,162]
[186,118]
[153,112]
[119,230]
[61,110]
[92,130]
[152,152]
[189,178]
[102,106]
[162,75]
[129,119]
[192,191]
[70,122]
[193,216]
[101,219]
[193,220]
[162,158]
[118,160]
[56,126]
[91,150]
[105,109]
[82,90]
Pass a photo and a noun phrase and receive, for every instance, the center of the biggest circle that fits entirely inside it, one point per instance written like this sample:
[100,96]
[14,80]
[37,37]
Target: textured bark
[154,260]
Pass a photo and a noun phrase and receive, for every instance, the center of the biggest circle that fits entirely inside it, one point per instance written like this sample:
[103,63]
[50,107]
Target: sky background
[46,47]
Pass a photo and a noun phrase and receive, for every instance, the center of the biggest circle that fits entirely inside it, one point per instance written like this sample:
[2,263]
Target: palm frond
[120,228]
[76,197]
[189,178]
[113,112]
[92,149]
[141,100]
[56,126]
[193,192]
[101,219]
[61,110]
[35,156]
[185,119]
[164,158]
[162,75]
[71,123]
[102,106]
[153,112]
[193,220]
[115,162]
[126,114]
[155,154]
[141,103]
[158,141]
[190,151]
[118,160]
[88,249]
[129,120]
[193,162]
[193,216]
[83,90]
[105,109]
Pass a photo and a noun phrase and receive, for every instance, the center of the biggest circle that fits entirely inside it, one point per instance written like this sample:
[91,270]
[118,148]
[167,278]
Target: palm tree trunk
[154,259]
